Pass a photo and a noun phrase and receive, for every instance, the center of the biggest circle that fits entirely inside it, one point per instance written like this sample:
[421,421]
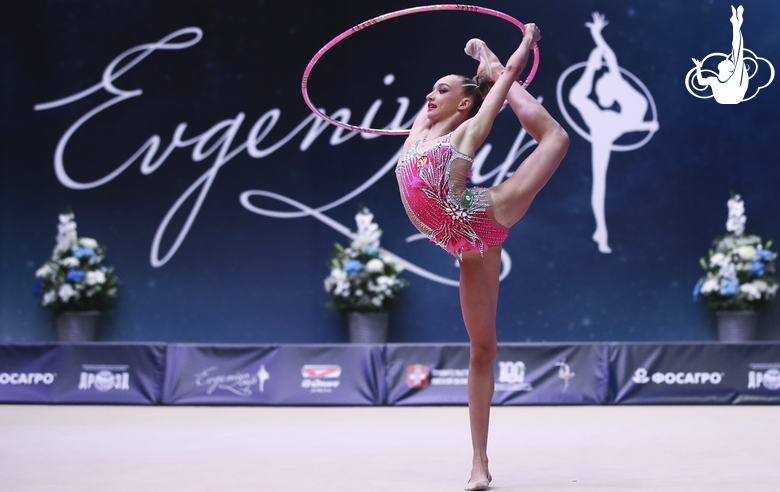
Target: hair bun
[483,84]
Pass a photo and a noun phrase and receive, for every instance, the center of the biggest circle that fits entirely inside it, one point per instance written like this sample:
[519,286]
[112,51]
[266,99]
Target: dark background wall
[239,276]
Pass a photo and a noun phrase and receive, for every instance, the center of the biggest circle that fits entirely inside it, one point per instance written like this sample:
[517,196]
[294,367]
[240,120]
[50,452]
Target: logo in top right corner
[729,85]
[766,375]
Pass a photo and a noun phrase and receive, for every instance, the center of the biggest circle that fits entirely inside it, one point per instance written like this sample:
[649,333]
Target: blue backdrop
[199,265]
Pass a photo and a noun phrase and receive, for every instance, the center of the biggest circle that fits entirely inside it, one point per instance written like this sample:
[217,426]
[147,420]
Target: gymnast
[471,223]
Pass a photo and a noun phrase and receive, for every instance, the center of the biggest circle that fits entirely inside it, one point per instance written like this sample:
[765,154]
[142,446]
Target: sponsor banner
[330,375]
[220,375]
[82,373]
[28,372]
[524,374]
[427,374]
[110,373]
[275,375]
[550,374]
[712,373]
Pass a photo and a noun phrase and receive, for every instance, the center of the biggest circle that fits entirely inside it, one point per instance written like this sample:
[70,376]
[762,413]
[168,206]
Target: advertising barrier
[393,374]
[82,373]
[524,374]
[712,373]
[275,375]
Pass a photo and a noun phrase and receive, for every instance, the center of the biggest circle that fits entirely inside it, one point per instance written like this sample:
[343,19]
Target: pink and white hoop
[391,15]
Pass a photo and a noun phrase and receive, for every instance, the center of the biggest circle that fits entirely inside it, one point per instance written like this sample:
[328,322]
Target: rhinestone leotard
[434,200]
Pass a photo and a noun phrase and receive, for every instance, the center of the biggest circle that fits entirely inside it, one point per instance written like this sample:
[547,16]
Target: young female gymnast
[471,223]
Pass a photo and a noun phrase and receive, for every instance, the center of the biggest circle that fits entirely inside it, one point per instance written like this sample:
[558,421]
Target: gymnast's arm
[578,95]
[701,80]
[421,124]
[598,24]
[473,132]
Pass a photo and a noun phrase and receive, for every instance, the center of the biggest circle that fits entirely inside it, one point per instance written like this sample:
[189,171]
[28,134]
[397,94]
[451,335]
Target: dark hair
[475,88]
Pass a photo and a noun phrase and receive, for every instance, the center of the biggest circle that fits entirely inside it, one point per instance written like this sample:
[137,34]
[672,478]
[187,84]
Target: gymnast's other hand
[533,33]
[696,62]
[599,22]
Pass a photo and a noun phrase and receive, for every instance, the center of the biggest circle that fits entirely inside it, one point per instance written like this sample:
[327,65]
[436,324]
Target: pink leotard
[433,186]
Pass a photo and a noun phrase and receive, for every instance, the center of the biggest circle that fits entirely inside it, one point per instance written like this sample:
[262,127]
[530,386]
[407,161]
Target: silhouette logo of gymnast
[620,106]
[730,84]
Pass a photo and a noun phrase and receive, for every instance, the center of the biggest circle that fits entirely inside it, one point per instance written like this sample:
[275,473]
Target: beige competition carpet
[313,449]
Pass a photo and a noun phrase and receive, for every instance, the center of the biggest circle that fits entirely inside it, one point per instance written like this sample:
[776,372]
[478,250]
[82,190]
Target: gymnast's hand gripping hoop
[391,15]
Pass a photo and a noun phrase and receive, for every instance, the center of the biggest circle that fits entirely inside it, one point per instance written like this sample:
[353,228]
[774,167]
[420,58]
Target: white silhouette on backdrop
[730,84]
[620,109]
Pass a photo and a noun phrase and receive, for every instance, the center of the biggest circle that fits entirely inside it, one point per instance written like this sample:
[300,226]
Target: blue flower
[697,290]
[82,252]
[352,266]
[372,250]
[757,268]
[764,254]
[37,288]
[76,275]
[729,287]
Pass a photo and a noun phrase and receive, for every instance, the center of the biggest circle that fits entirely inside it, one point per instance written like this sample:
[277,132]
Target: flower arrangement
[73,279]
[362,278]
[740,271]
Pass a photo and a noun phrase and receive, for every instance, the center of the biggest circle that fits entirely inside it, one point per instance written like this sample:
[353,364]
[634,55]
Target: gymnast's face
[446,98]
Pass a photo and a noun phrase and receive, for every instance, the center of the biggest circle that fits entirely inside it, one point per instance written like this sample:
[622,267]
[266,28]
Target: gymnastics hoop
[392,15]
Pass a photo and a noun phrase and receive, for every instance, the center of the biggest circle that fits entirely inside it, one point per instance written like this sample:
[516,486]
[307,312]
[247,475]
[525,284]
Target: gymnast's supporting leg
[479,302]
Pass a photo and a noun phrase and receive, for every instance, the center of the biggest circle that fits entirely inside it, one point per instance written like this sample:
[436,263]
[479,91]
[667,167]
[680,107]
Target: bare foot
[600,237]
[479,472]
[489,64]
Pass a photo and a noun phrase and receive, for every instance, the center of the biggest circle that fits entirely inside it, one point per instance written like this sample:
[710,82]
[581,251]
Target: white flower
[747,252]
[751,291]
[70,262]
[736,225]
[342,288]
[44,271]
[376,301]
[96,277]
[710,285]
[368,233]
[761,285]
[375,265]
[49,297]
[737,219]
[384,281]
[66,292]
[364,219]
[728,271]
[717,259]
[736,206]
[88,242]
[65,218]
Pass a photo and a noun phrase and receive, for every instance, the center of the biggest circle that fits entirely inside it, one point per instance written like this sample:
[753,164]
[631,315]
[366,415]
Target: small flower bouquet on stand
[74,284]
[364,283]
[739,278]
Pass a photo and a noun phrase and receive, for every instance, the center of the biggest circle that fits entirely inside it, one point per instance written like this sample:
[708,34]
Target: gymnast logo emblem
[621,106]
[730,84]
[565,373]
